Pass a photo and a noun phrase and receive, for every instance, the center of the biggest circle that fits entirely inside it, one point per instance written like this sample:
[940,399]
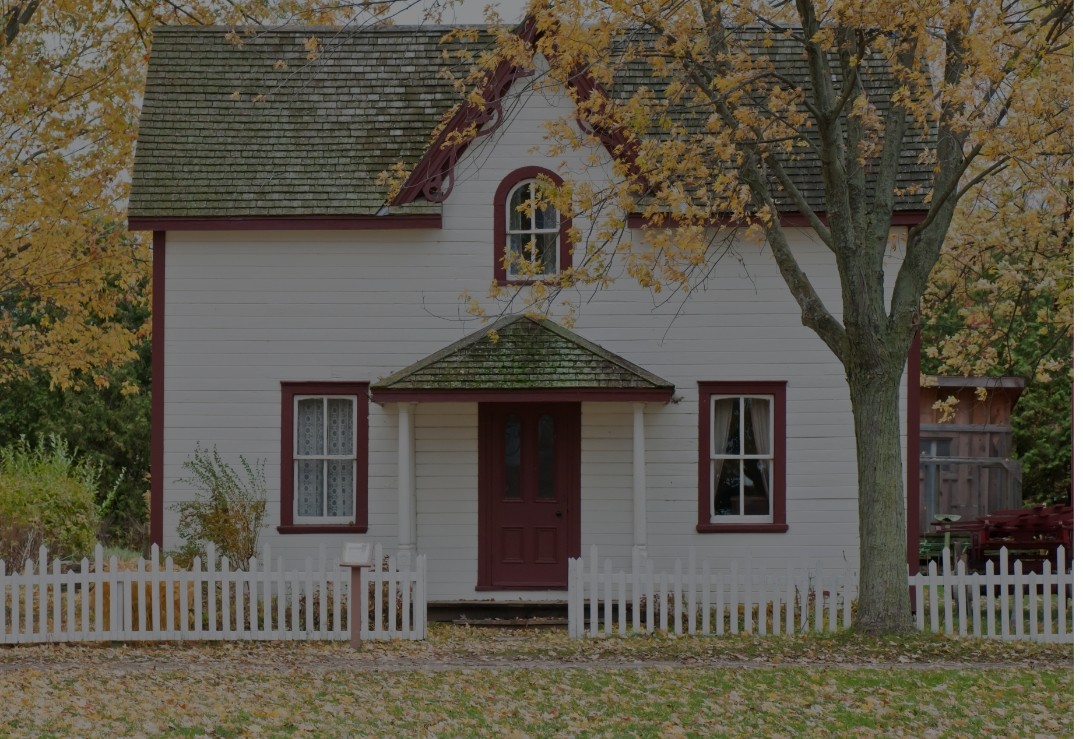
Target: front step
[493,613]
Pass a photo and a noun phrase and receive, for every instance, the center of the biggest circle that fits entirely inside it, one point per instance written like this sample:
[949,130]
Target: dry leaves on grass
[539,683]
[666,701]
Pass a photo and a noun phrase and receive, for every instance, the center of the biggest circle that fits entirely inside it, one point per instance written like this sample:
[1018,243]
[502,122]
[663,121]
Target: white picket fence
[1000,603]
[695,598]
[155,601]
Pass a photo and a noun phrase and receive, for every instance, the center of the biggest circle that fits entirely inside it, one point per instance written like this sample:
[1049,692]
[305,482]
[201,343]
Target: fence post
[1063,583]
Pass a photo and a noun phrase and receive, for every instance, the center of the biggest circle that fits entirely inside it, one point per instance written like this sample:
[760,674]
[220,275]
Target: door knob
[560,514]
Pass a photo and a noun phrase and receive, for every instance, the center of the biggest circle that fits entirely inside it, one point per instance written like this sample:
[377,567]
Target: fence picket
[607,595]
[705,623]
[948,595]
[819,600]
[975,601]
[677,593]
[691,595]
[748,622]
[1017,599]
[948,600]
[720,603]
[762,602]
[650,596]
[1062,595]
[934,605]
[54,598]
[788,597]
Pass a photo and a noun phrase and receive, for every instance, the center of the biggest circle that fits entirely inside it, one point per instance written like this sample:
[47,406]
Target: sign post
[357,556]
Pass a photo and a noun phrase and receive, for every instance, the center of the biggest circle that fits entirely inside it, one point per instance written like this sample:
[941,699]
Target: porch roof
[519,358]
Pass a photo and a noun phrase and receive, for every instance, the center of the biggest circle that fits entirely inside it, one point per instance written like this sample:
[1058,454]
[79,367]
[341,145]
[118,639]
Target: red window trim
[500,222]
[289,391]
[777,389]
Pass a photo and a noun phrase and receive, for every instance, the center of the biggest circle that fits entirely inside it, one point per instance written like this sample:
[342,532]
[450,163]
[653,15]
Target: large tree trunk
[884,598]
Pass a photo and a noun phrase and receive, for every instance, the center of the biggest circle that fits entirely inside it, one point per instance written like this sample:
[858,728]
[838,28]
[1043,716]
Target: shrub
[46,497]
[227,512]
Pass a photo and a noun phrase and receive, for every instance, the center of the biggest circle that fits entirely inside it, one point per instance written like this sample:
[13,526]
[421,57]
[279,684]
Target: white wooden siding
[247,310]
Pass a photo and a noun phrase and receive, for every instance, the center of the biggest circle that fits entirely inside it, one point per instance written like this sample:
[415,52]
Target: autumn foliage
[709,132]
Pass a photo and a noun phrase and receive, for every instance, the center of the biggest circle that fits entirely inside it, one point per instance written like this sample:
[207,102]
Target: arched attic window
[525,229]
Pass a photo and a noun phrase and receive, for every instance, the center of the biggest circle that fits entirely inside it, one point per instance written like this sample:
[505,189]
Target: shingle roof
[316,144]
[528,354]
[787,57]
[328,127]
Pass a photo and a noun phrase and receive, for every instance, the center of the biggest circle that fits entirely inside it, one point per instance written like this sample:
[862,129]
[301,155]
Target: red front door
[528,494]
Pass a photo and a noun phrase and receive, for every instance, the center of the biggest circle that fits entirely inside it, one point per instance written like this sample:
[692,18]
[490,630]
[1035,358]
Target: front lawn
[465,682]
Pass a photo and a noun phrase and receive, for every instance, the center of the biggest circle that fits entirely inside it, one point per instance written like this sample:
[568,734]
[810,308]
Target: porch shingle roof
[528,354]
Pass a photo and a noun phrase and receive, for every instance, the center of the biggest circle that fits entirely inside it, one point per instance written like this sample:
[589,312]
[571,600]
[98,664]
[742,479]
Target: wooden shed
[966,465]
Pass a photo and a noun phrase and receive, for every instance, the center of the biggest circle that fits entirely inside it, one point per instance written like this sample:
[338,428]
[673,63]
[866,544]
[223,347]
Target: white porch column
[407,489]
[639,484]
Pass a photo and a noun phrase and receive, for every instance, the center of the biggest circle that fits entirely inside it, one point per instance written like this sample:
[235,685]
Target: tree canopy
[72,72]
[714,130]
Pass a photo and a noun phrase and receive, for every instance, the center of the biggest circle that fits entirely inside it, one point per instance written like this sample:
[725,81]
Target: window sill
[742,528]
[494,588]
[545,279]
[323,528]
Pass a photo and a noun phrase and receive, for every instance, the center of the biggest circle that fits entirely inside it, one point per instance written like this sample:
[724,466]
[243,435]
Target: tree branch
[18,17]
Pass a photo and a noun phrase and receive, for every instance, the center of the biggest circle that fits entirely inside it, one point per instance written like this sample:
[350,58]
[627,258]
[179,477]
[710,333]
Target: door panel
[528,493]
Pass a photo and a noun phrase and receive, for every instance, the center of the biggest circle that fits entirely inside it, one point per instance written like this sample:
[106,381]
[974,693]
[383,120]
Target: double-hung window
[742,456]
[324,449]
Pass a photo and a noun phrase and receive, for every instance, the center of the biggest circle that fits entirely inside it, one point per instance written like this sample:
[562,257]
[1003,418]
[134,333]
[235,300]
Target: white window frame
[534,232]
[298,517]
[741,456]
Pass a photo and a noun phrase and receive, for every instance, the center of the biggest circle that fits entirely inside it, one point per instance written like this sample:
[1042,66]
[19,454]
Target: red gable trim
[540,395]
[283,223]
[434,176]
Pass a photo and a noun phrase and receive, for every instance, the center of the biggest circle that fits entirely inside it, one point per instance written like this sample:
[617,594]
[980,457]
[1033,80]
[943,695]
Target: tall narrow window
[742,456]
[324,453]
[531,237]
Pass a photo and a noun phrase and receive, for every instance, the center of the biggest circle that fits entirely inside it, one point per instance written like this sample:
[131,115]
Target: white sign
[357,553]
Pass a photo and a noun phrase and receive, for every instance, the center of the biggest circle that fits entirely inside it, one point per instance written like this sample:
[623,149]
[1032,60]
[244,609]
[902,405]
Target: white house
[301,319]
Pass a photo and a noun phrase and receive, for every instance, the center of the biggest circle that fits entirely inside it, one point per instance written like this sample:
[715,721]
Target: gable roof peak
[518,354]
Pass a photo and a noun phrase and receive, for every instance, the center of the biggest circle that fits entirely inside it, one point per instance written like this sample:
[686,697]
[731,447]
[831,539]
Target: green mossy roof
[326,128]
[317,142]
[529,354]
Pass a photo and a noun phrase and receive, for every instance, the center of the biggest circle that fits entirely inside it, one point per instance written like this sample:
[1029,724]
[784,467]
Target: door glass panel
[546,459]
[512,458]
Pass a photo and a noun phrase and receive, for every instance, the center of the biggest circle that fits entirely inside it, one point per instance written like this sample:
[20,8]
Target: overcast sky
[470,11]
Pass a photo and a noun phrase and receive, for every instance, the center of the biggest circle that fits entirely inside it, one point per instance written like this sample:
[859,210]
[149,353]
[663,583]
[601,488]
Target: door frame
[569,446]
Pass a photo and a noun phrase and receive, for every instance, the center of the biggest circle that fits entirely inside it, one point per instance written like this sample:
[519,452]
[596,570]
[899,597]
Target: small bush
[46,497]
[228,512]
